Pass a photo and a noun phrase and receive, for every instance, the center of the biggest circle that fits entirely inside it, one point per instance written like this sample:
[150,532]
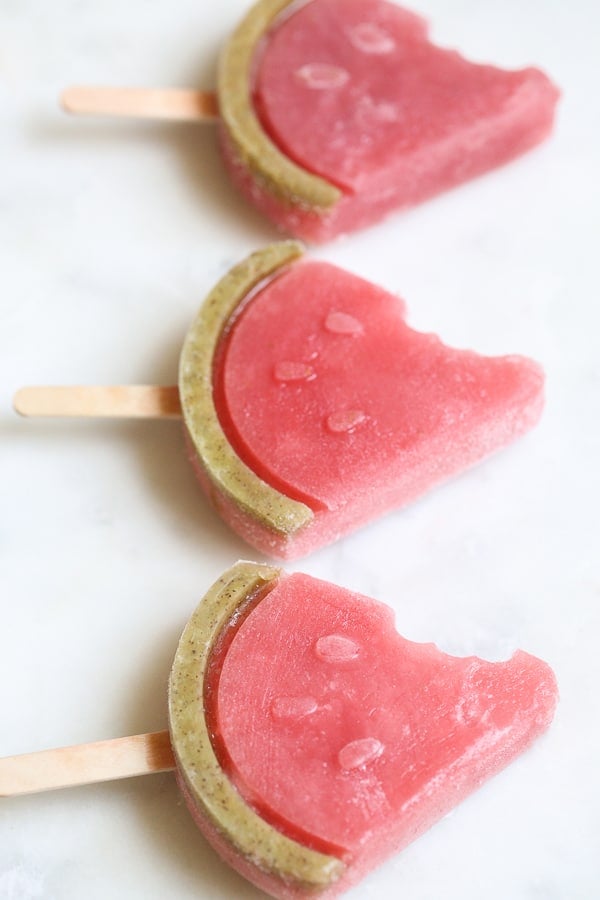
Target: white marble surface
[110,235]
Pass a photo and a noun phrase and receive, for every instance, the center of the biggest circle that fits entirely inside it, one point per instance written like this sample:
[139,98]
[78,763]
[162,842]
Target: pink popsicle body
[353,740]
[327,394]
[353,91]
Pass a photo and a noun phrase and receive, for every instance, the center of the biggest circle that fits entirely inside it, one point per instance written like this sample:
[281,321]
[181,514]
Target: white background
[110,235]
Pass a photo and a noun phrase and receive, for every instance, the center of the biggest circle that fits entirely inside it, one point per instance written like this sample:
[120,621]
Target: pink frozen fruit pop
[312,741]
[312,408]
[335,112]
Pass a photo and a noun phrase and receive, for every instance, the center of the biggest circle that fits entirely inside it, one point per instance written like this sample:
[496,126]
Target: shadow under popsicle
[161,453]
[171,834]
[193,147]
[158,448]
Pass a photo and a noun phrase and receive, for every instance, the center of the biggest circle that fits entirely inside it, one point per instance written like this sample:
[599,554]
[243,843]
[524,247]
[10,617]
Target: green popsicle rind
[216,798]
[227,473]
[257,152]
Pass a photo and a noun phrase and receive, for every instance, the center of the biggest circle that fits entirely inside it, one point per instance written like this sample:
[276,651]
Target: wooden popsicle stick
[140,754]
[175,104]
[136,401]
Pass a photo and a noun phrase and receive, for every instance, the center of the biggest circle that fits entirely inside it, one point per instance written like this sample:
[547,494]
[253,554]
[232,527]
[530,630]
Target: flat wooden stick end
[21,402]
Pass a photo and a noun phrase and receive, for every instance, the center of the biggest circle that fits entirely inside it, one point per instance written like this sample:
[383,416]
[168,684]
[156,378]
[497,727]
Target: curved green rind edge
[282,177]
[226,471]
[220,803]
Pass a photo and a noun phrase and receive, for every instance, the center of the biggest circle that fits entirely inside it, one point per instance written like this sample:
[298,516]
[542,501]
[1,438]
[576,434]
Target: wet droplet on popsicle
[345,420]
[342,323]
[293,707]
[360,753]
[371,38]
[293,371]
[322,76]
[337,648]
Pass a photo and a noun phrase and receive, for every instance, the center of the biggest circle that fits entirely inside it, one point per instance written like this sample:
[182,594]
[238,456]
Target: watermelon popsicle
[311,407]
[354,93]
[333,113]
[309,771]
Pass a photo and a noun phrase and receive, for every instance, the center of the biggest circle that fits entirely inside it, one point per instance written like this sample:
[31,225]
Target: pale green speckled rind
[227,472]
[218,800]
[282,177]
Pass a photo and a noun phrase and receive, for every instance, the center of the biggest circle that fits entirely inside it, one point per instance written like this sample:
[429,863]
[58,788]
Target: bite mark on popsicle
[305,770]
[338,112]
[309,771]
[312,407]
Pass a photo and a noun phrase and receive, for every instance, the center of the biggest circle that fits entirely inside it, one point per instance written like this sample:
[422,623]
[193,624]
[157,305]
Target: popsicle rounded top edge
[208,785]
[222,465]
[282,177]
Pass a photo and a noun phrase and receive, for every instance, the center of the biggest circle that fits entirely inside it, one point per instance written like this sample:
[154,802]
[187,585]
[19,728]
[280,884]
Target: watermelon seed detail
[293,371]
[250,143]
[370,38]
[206,785]
[342,323]
[335,648]
[293,707]
[360,753]
[322,76]
[345,420]
[227,473]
